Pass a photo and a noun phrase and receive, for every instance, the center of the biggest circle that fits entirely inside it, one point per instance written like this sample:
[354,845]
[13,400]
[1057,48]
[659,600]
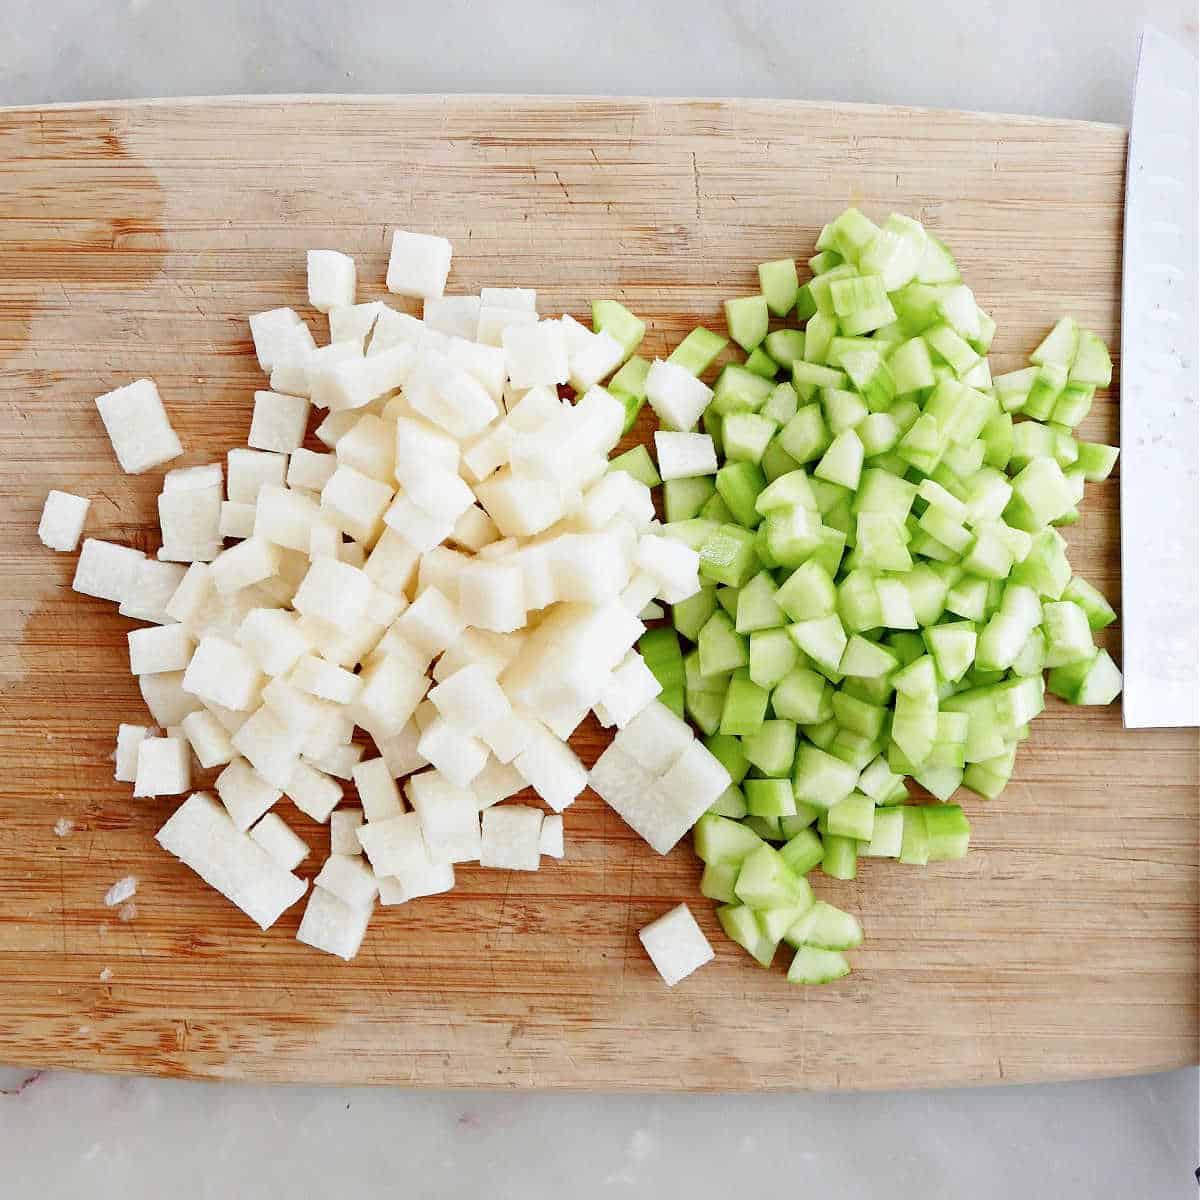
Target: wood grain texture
[134,239]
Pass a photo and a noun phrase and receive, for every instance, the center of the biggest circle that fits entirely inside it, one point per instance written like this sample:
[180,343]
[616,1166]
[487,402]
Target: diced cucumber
[638,463]
[741,926]
[746,319]
[730,803]
[745,706]
[802,851]
[814,966]
[769,798]
[779,284]
[785,345]
[721,647]
[727,555]
[759,362]
[766,881]
[739,484]
[827,927]
[772,749]
[841,857]
[717,882]
[887,835]
[690,615]
[720,840]
[613,318]
[697,352]
[629,386]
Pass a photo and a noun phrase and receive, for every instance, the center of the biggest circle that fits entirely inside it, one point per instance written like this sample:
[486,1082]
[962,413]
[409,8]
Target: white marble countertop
[67,1135]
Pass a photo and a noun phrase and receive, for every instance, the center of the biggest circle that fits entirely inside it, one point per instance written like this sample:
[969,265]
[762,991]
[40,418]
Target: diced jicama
[209,739]
[137,426]
[431,622]
[418,265]
[677,396]
[285,517]
[354,382]
[457,755]
[392,688]
[312,791]
[250,561]
[343,831]
[550,840]
[449,817]
[552,769]
[536,354]
[682,455]
[129,737]
[166,698]
[334,592]
[377,790]
[655,738]
[326,680]
[278,333]
[236,520]
[309,470]
[273,638]
[278,422]
[282,843]
[224,673]
[248,471]
[676,945]
[511,837]
[630,688]
[455,316]
[520,507]
[189,514]
[107,571]
[332,925]
[355,503]
[205,839]
[150,595]
[271,746]
[394,846]
[244,793]
[353,321]
[63,517]
[164,767]
[349,878]
[471,700]
[428,879]
[338,761]
[331,280]
[160,648]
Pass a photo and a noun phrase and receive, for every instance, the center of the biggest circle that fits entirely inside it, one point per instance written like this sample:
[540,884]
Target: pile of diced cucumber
[885,582]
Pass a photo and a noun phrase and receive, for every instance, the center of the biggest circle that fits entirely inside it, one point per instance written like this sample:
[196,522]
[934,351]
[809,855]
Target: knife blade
[1160,434]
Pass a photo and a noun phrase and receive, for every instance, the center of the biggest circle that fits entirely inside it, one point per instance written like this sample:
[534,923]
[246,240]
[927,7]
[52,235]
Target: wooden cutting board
[135,239]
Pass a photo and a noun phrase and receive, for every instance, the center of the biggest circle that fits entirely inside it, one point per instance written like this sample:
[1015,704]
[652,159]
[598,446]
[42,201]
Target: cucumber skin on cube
[827,927]
[766,881]
[730,803]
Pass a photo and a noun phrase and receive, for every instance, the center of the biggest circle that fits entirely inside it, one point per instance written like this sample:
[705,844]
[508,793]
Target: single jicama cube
[273,638]
[520,507]
[194,593]
[600,420]
[107,571]
[355,503]
[474,529]
[313,792]
[320,678]
[552,769]
[223,672]
[550,840]
[491,596]
[247,471]
[338,761]
[316,377]
[369,447]
[326,541]
[484,363]
[138,427]
[494,319]
[509,735]
[353,322]
[271,746]
[590,363]
[349,878]
[309,470]
[676,944]
[441,568]
[394,328]
[480,647]
[449,818]
[588,568]
[509,297]
[331,279]
[285,517]
[400,751]
[676,395]
[431,879]
[673,564]
[166,699]
[278,333]
[510,838]
[632,793]
[245,794]
[332,925]
[420,445]
[449,396]
[630,688]
[421,530]
[236,520]
[343,831]
[431,622]
[63,516]
[161,648]
[208,739]
[418,265]
[190,519]
[694,781]
[204,839]
[455,316]
[283,844]
[394,846]
[156,583]
[164,767]
[655,738]
[353,383]
[334,592]
[377,790]
[683,455]
[129,737]
[490,451]
[296,708]
[536,354]
[248,562]
[497,781]
[392,563]
[617,496]
[470,699]
[457,755]
[278,423]
[392,689]
[640,590]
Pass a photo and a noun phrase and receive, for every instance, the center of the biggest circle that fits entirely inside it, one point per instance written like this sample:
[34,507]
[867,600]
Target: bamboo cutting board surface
[135,239]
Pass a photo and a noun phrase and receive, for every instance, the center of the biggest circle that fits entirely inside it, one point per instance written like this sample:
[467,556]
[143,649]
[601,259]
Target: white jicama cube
[283,844]
[237,520]
[630,688]
[485,363]
[353,322]
[272,747]
[309,470]
[640,590]
[457,755]
[509,297]
[536,408]
[356,382]
[343,831]
[617,496]
[470,699]
[248,562]
[329,682]
[190,519]
[394,846]
[339,761]
[536,354]
[161,648]
[332,925]
[418,265]
[392,689]
[331,279]
[449,818]
[349,878]
[245,794]
[676,395]
[278,423]
[511,835]
[520,507]
[280,331]
[377,790]
[296,708]
[355,503]
[494,319]
[421,530]
[400,751]
[156,583]
[313,792]
[441,568]
[164,767]
[107,571]
[455,316]
[497,781]
[600,419]
[194,593]
[676,944]
[273,638]
[285,518]
[589,364]
[508,735]
[247,471]
[655,738]
[491,596]
[683,455]
[563,719]
[129,737]
[224,673]
[384,608]
[63,517]
[588,568]
[552,769]
[420,445]
[673,564]
[394,328]
[334,592]
[631,792]
[314,377]
[479,647]
[204,839]
[209,739]
[368,447]
[490,451]
[550,840]
[474,529]
[432,879]
[430,623]
[326,541]
[165,698]
[137,426]
[695,781]
[449,396]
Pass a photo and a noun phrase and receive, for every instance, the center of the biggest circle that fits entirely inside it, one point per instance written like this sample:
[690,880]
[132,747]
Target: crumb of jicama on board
[64,827]
[106,975]
[121,891]
[127,912]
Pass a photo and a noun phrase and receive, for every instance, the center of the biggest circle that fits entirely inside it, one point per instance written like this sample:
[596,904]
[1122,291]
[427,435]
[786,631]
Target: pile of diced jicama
[462,524]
